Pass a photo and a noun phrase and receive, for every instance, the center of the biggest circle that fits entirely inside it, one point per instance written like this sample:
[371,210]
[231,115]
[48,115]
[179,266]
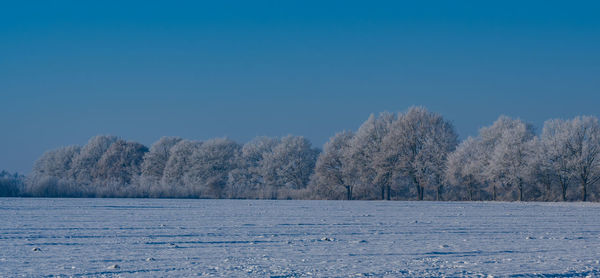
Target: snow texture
[233,238]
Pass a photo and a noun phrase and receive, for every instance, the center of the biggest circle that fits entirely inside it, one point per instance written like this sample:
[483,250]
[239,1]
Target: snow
[232,238]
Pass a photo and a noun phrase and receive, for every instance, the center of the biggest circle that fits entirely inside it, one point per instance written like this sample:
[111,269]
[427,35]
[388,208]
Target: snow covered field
[149,237]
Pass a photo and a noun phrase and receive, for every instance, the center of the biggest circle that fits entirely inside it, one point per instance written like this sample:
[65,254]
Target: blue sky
[144,69]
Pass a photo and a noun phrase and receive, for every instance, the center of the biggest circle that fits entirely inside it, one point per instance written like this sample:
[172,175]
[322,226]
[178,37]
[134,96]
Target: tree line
[412,155]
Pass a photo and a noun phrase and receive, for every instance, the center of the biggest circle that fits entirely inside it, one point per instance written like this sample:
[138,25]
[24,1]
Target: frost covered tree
[553,155]
[272,168]
[178,166]
[55,163]
[541,167]
[364,148]
[289,165]
[154,165]
[501,157]
[84,164]
[411,153]
[50,175]
[156,159]
[121,162]
[572,153]
[11,185]
[242,184]
[254,151]
[489,138]
[331,174]
[583,145]
[246,181]
[210,165]
[508,165]
[417,145]
[464,168]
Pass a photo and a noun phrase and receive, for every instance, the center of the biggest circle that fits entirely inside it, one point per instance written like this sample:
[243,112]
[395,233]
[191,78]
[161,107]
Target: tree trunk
[274,194]
[438,196]
[389,189]
[494,194]
[420,189]
[382,192]
[349,192]
[563,185]
[520,187]
[470,193]
[520,193]
[584,191]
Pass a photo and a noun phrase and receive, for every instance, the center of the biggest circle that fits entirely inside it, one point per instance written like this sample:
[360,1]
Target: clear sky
[70,70]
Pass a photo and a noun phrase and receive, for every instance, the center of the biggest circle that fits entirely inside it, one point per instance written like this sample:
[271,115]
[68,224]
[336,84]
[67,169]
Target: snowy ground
[146,237]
